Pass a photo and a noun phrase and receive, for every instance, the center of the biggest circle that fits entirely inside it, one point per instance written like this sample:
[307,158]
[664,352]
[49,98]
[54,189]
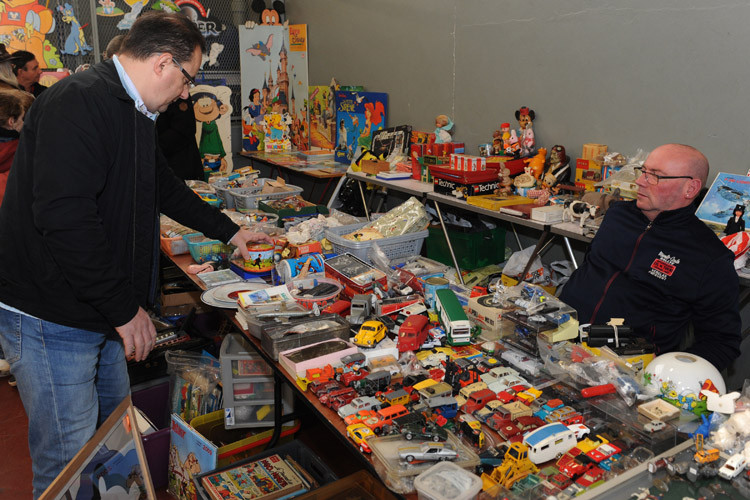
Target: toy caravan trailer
[549,442]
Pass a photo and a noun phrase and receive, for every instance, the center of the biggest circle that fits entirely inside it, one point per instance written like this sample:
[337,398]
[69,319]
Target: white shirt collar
[132,91]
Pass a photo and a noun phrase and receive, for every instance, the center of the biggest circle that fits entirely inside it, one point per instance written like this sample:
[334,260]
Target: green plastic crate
[473,248]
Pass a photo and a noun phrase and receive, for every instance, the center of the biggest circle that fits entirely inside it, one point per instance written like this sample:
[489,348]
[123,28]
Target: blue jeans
[70,381]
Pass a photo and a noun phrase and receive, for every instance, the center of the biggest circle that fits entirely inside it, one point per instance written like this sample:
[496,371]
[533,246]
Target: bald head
[673,176]
[687,160]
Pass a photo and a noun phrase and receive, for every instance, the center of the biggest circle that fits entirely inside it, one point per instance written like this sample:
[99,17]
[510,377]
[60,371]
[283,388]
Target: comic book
[358,116]
[189,455]
[392,144]
[269,477]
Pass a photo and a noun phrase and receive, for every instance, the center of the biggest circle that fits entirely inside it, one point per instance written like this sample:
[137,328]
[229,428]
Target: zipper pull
[650,223]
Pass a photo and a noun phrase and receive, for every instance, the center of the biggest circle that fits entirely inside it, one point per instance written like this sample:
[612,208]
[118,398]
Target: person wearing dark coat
[176,129]
[736,224]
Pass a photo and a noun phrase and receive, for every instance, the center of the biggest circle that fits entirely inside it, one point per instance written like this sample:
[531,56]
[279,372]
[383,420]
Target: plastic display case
[248,386]
[399,475]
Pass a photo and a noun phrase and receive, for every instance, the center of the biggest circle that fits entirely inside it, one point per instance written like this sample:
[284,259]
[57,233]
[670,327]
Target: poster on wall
[25,25]
[322,112]
[213,110]
[359,114]
[298,81]
[264,80]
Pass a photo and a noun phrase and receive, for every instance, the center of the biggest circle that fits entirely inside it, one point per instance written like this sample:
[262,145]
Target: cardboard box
[275,186]
[462,184]
[588,173]
[374,166]
[179,304]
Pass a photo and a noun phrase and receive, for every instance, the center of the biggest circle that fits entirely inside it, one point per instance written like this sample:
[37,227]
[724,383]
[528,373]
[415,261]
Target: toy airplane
[261,49]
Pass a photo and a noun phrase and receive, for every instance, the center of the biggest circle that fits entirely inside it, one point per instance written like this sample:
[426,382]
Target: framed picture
[111,465]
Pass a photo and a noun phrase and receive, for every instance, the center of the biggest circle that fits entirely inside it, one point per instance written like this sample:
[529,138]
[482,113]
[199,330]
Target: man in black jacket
[79,231]
[655,264]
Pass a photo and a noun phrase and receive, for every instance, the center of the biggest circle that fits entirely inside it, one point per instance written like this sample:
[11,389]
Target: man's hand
[138,336]
[243,237]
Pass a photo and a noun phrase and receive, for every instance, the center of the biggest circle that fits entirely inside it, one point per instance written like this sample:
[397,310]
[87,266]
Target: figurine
[513,148]
[736,223]
[536,164]
[525,117]
[558,169]
[444,125]
[505,181]
[501,139]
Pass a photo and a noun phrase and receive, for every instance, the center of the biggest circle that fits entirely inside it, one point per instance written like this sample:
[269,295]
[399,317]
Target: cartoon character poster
[358,114]
[75,40]
[264,70]
[25,25]
[300,128]
[322,112]
[718,206]
[213,110]
[189,455]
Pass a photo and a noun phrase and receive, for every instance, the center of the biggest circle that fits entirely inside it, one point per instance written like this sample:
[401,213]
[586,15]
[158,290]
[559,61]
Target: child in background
[13,107]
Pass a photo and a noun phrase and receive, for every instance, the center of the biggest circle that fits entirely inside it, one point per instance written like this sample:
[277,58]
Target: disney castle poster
[358,115]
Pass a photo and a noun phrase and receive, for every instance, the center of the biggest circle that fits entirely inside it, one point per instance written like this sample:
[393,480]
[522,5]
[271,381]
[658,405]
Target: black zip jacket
[660,276]
[79,222]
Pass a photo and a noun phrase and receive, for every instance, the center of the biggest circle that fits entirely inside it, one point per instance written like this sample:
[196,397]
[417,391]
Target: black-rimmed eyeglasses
[654,179]
[190,80]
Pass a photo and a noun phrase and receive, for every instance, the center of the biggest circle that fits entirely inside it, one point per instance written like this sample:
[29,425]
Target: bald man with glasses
[655,264]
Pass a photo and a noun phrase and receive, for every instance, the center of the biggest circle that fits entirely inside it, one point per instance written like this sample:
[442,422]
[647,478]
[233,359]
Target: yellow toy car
[370,333]
[359,433]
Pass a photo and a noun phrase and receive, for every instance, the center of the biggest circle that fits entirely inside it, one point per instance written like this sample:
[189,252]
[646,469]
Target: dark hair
[11,105]
[252,93]
[20,59]
[156,32]
[113,47]
[210,95]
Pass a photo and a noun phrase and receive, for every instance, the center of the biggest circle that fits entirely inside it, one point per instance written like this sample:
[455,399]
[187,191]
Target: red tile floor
[15,464]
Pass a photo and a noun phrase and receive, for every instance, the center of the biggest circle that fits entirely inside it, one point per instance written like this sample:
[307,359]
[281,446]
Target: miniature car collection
[539,409]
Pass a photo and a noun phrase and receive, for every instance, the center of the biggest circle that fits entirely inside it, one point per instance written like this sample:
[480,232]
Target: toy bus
[452,317]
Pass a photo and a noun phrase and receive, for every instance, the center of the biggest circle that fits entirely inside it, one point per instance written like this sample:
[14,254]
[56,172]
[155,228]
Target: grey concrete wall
[631,73]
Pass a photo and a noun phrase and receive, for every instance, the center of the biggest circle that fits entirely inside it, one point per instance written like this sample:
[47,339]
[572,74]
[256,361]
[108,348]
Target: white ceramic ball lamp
[682,372]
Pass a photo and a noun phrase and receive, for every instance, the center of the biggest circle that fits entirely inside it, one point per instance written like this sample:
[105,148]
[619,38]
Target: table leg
[325,190]
[570,252]
[364,203]
[448,240]
[536,251]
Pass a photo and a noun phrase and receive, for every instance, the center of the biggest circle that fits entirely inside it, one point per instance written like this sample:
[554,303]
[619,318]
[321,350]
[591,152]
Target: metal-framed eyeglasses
[190,81]
[654,179]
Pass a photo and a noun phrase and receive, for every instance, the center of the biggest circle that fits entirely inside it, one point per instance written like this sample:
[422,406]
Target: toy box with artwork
[189,455]
[460,183]
[356,276]
[358,115]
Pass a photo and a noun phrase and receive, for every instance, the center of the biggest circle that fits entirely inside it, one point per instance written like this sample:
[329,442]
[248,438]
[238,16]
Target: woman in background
[13,106]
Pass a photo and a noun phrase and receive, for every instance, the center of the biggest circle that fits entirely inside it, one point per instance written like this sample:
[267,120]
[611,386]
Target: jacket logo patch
[664,266]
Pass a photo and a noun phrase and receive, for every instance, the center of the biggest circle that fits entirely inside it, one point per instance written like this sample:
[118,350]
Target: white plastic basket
[247,198]
[394,247]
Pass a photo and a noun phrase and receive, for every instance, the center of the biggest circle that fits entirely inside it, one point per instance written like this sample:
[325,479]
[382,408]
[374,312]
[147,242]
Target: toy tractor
[516,466]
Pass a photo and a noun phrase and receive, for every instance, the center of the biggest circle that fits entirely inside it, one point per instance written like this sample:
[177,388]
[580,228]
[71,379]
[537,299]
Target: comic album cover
[358,115]
[725,194]
[189,455]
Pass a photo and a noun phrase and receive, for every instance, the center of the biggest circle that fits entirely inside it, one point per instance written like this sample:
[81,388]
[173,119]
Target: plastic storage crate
[395,247]
[248,393]
[248,198]
[473,248]
[204,250]
[173,246]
